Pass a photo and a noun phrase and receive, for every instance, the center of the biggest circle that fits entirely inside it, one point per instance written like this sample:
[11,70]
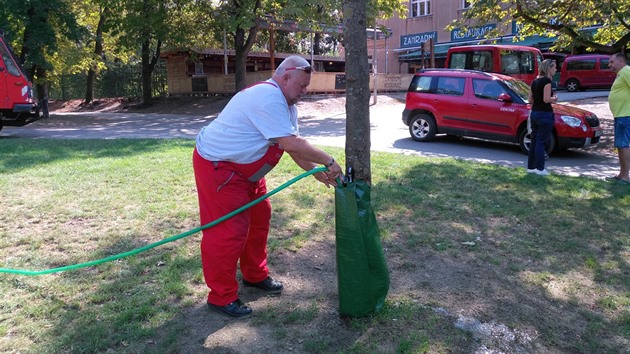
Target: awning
[540,42]
[440,51]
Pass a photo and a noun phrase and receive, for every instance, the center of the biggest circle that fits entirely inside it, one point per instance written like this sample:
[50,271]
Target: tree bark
[357,90]
[242,47]
[148,64]
[98,53]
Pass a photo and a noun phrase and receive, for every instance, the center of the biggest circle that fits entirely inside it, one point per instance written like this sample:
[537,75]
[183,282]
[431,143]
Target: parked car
[470,103]
[17,105]
[580,72]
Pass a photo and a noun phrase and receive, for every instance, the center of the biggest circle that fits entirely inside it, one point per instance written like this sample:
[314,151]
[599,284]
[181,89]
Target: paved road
[388,134]
[391,135]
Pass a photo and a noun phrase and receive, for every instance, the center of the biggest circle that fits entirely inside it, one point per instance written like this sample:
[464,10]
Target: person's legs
[544,128]
[253,260]
[624,163]
[531,155]
[622,143]
[221,191]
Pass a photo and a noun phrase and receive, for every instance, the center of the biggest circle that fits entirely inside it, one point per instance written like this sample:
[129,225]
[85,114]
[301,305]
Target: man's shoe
[234,309]
[269,285]
[531,170]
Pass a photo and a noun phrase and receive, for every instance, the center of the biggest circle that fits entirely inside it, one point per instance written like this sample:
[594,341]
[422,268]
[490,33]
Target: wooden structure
[203,73]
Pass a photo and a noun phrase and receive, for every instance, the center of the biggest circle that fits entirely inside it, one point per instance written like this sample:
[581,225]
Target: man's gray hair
[292,61]
[620,56]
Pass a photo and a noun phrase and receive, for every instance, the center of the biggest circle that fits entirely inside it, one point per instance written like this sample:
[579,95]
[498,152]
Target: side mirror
[504,97]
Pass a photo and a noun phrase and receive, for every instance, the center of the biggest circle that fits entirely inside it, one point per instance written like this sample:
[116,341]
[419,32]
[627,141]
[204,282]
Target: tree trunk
[148,64]
[317,50]
[42,91]
[357,90]
[98,53]
[242,46]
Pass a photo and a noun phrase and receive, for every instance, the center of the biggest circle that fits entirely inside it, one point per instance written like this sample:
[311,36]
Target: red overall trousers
[223,187]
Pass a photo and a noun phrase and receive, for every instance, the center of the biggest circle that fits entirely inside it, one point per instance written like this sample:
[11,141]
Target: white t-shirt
[248,124]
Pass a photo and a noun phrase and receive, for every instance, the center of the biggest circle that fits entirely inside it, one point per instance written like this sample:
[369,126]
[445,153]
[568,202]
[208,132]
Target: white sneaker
[541,172]
[533,170]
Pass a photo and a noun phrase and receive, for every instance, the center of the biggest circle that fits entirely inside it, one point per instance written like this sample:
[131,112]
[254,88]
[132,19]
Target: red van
[17,106]
[580,72]
[517,61]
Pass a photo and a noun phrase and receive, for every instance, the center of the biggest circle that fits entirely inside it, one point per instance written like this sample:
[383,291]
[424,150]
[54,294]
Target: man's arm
[308,156]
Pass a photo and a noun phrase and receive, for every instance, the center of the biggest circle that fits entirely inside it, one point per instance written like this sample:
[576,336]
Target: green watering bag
[362,274]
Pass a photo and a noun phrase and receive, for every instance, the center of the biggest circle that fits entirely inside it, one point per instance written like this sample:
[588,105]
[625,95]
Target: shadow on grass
[21,154]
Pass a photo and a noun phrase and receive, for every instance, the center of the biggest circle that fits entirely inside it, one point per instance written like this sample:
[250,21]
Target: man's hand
[323,177]
[333,173]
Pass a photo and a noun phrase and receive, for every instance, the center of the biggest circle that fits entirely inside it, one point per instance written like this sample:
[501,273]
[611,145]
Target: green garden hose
[166,240]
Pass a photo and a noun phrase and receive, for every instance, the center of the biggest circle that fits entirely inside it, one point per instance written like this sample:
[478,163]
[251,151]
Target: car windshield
[519,87]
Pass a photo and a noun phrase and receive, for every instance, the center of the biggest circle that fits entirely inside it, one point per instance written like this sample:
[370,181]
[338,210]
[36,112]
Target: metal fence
[123,81]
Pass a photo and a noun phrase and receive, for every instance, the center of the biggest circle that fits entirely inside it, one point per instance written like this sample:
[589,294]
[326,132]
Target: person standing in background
[619,103]
[541,96]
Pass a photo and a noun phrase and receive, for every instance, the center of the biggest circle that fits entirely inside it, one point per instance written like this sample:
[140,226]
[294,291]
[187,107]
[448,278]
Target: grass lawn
[545,257]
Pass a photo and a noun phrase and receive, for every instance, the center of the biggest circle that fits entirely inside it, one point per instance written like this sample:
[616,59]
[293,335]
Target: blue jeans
[542,127]
[622,132]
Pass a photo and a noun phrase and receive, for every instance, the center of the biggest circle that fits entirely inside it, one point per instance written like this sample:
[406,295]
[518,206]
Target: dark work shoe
[234,309]
[269,285]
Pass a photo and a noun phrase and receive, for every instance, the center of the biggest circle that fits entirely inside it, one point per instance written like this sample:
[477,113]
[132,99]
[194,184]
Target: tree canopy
[565,19]
[54,37]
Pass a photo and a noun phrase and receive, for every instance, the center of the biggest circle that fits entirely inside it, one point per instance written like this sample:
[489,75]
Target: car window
[517,62]
[450,86]
[520,88]
[458,61]
[8,61]
[482,60]
[603,64]
[420,84]
[582,64]
[487,89]
[475,60]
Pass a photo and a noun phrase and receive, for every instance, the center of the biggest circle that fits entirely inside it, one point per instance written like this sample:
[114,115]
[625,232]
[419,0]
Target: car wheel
[525,142]
[572,85]
[422,127]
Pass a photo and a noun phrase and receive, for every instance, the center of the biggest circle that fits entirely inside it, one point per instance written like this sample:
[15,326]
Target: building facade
[409,48]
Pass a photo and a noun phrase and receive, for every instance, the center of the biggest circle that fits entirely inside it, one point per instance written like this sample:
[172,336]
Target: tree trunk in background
[316,47]
[242,46]
[98,53]
[149,60]
[357,90]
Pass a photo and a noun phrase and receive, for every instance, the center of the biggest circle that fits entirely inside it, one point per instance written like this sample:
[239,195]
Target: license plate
[598,133]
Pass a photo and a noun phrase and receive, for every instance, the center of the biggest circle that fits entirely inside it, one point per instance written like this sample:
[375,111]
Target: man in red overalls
[232,155]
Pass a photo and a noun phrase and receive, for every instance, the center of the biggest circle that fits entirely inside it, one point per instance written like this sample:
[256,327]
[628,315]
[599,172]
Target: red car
[470,103]
[17,106]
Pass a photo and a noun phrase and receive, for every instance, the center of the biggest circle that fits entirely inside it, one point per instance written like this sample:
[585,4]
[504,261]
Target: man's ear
[285,79]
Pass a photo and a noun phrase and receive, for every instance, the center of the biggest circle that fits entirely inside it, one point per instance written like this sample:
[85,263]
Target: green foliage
[563,18]
[35,27]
